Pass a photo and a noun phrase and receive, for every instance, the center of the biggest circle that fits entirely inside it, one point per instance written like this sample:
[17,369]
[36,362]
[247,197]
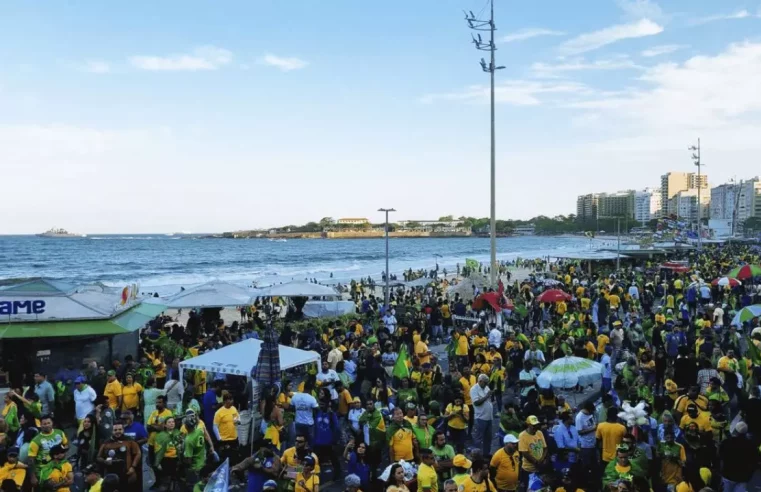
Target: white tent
[50,300]
[297,289]
[210,294]
[240,358]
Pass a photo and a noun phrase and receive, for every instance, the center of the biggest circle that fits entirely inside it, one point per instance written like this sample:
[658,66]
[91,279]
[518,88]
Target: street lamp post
[388,275]
[477,24]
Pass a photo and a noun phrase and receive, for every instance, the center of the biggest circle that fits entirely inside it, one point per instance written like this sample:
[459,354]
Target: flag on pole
[220,479]
[471,263]
[401,370]
[589,234]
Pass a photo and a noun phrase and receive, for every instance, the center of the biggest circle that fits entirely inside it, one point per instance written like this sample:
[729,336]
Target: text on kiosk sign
[22,307]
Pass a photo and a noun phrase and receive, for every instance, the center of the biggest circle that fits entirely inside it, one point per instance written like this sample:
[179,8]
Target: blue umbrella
[746,314]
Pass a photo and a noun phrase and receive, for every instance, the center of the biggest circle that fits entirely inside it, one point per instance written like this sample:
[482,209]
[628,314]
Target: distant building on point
[353,221]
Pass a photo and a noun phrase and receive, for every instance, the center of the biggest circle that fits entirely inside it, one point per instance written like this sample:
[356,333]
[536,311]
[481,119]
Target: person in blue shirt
[674,340]
[325,437]
[262,467]
[134,430]
[357,465]
[567,437]
[210,404]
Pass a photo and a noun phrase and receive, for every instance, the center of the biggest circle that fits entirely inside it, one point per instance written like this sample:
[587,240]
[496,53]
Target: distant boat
[60,233]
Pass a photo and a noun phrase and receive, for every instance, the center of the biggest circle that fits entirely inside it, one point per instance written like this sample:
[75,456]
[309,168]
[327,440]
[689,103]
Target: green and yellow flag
[401,369]
[471,263]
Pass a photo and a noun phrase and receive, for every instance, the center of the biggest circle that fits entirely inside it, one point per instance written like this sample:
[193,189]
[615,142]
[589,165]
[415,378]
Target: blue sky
[201,116]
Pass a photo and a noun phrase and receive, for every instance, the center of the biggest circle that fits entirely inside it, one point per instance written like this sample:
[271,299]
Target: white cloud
[597,39]
[94,66]
[514,92]
[283,63]
[664,49]
[740,14]
[641,9]
[719,92]
[528,33]
[203,58]
[549,70]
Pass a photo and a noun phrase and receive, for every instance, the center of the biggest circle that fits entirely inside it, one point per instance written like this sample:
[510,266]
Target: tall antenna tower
[696,160]
[477,24]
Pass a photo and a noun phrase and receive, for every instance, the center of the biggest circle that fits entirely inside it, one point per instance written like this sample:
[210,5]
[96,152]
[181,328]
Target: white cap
[510,439]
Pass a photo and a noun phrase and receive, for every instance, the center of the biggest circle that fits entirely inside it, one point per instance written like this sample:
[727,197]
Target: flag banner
[220,479]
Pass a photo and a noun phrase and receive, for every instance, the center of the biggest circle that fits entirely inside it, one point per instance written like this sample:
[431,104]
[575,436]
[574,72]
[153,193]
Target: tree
[752,224]
[327,221]
[413,225]
[446,218]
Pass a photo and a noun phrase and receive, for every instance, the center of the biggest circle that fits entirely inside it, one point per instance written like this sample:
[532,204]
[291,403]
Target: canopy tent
[50,300]
[419,282]
[210,294]
[125,322]
[296,289]
[321,309]
[239,359]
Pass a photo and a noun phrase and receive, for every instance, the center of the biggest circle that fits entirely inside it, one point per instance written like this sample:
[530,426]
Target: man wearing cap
[461,467]
[13,469]
[58,474]
[84,400]
[307,480]
[93,478]
[533,449]
[483,417]
[505,465]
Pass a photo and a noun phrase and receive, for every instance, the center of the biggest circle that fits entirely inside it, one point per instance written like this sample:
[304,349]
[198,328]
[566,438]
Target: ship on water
[60,233]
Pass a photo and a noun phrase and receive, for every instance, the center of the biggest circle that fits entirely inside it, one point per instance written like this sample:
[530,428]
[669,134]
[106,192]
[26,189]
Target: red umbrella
[553,295]
[723,281]
[494,299]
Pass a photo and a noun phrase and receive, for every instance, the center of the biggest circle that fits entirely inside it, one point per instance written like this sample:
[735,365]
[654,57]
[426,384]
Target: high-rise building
[685,205]
[616,205]
[672,183]
[723,201]
[586,206]
[647,205]
[749,201]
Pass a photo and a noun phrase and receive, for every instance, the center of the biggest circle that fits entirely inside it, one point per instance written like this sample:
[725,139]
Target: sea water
[162,264]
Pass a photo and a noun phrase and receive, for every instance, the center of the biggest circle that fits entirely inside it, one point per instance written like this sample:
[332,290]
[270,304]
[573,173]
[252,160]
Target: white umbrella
[569,372]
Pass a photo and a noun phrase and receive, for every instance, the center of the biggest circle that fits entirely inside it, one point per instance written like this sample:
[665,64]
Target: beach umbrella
[267,369]
[746,314]
[568,372]
[553,295]
[745,271]
[724,281]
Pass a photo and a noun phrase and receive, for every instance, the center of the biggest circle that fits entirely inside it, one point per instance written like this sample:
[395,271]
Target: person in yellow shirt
[462,348]
[421,350]
[199,384]
[611,434]
[505,464]
[478,481]
[113,391]
[58,474]
[307,480]
[702,419]
[132,393]
[399,435]
[602,341]
[12,469]
[561,308]
[226,421]
[532,446]
[427,478]
[156,419]
[457,415]
[93,478]
[615,302]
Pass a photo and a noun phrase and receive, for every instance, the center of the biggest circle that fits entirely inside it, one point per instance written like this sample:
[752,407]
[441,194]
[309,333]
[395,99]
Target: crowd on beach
[439,390]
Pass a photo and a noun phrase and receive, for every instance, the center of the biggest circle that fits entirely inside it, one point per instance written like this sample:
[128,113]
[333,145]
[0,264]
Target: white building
[749,201]
[685,205]
[647,205]
[352,221]
[723,200]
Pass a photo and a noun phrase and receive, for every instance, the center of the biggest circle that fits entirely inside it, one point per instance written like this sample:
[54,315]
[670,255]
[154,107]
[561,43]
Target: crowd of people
[677,407]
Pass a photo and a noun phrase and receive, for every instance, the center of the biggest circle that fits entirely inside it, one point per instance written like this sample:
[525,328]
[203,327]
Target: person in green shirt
[194,448]
[406,394]
[423,432]
[509,423]
[443,453]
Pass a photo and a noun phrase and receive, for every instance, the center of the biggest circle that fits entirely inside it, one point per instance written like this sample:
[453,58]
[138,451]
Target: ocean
[162,264]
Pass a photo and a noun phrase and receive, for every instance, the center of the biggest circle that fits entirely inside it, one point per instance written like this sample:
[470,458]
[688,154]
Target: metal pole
[700,185]
[493,163]
[618,249]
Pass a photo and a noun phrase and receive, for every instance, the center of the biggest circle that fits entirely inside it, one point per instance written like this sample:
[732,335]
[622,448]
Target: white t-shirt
[304,403]
[390,321]
[606,369]
[84,402]
[485,410]
[327,379]
[718,317]
[584,422]
[495,338]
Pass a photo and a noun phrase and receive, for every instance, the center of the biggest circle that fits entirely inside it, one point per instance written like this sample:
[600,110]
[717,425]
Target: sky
[144,117]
